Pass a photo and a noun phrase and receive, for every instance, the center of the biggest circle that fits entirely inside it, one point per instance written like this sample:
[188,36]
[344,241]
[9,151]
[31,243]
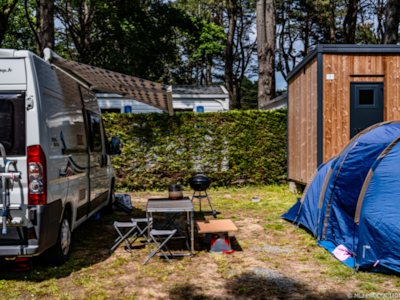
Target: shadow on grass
[89,246]
[248,286]
[90,243]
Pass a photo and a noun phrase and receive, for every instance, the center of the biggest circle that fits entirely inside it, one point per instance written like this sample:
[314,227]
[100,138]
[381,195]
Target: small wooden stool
[219,228]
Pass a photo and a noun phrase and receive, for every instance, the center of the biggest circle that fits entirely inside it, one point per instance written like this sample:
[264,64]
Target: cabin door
[366,106]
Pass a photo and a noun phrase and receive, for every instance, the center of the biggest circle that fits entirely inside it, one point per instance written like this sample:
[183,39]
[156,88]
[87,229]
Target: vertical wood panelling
[336,93]
[313,163]
[394,85]
[302,128]
[289,129]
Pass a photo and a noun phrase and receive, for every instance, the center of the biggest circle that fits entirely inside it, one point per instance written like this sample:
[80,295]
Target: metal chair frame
[122,237]
[158,233]
[141,232]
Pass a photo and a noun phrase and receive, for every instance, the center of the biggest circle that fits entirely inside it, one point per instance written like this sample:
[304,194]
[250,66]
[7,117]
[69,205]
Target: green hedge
[237,147]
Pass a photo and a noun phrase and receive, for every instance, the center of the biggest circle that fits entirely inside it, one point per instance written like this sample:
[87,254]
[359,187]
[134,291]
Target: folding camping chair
[158,233]
[123,237]
[141,232]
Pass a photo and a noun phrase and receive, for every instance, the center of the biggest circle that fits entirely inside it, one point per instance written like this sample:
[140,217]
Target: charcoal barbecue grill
[200,183]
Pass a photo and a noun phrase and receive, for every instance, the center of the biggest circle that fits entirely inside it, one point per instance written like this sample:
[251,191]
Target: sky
[280,82]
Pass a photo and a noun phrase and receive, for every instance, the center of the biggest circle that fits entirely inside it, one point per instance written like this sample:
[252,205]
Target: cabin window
[110,110]
[366,97]
[12,123]
[183,109]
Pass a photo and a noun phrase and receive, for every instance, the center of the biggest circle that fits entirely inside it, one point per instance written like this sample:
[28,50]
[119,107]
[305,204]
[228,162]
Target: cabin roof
[342,48]
[198,89]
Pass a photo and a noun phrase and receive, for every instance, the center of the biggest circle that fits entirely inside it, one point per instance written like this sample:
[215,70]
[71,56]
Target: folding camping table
[166,205]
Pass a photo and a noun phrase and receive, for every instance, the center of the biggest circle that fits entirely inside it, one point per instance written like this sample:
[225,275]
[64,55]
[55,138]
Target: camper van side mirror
[115,146]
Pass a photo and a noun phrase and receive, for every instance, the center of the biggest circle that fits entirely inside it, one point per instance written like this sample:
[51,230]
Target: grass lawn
[273,260]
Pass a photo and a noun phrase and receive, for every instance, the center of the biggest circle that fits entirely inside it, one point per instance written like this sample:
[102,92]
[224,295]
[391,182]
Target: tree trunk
[332,21]
[392,22]
[86,33]
[229,51]
[307,38]
[350,22]
[202,77]
[221,14]
[45,25]
[208,70]
[379,33]
[4,15]
[266,39]
[209,57]
[238,93]
[199,10]
[189,77]
[198,73]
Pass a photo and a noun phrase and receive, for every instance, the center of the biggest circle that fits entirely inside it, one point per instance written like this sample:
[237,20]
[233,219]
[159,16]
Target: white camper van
[56,170]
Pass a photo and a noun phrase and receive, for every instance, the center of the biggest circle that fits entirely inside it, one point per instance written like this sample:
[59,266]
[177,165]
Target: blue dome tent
[305,211]
[378,214]
[328,206]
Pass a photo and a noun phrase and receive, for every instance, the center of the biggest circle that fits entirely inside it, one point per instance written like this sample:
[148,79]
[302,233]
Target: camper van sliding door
[99,180]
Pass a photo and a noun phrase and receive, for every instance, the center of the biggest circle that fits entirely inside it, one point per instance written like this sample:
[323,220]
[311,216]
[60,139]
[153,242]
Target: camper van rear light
[36,175]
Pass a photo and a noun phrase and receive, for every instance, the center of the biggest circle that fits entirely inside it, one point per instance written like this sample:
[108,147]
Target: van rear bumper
[18,250]
[44,224]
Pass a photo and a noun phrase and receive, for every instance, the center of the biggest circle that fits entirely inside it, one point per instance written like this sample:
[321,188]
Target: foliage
[237,147]
[249,94]
[19,35]
[136,39]
[208,42]
[145,39]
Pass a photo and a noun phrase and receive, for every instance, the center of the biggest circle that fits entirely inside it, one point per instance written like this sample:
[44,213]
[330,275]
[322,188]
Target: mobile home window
[110,110]
[366,97]
[12,123]
[95,132]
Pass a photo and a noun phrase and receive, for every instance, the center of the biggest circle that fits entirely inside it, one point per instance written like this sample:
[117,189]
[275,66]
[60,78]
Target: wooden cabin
[334,93]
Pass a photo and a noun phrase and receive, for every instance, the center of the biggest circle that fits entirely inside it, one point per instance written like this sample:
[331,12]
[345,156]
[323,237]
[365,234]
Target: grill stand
[200,196]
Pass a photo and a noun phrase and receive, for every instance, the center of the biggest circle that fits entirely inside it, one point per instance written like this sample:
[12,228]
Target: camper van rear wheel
[59,253]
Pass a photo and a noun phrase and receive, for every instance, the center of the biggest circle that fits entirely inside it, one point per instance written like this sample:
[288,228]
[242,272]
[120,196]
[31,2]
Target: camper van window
[106,138]
[95,140]
[12,123]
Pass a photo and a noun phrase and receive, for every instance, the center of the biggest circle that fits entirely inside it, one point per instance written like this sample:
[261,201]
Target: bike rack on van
[7,180]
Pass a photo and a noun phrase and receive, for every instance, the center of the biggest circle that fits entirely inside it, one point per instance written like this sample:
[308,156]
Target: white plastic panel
[12,71]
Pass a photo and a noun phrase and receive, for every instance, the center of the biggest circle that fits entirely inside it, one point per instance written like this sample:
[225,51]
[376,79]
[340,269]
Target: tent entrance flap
[149,92]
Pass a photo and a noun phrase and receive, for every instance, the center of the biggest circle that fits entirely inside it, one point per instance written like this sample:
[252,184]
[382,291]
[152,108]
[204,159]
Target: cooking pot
[200,182]
[175,191]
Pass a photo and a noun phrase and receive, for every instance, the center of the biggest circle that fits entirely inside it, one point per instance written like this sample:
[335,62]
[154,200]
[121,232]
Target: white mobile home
[194,98]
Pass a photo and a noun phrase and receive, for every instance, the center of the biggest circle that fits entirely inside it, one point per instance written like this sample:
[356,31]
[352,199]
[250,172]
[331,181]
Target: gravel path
[273,249]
